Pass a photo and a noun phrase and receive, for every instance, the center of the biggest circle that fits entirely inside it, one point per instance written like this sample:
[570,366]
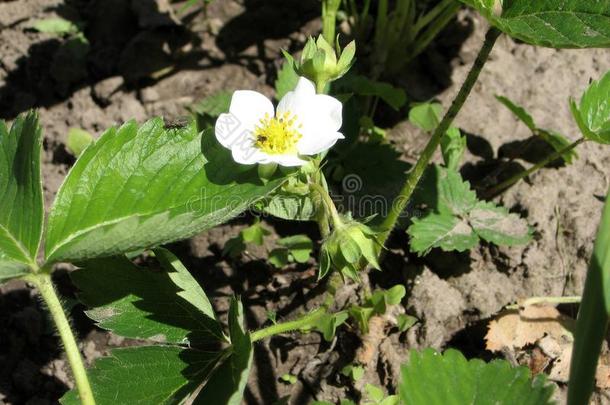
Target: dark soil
[144,61]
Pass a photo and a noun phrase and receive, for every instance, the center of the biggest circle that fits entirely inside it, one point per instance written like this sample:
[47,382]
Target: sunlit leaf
[495,224]
[431,378]
[143,303]
[21,205]
[286,81]
[592,114]
[552,23]
[140,187]
[147,375]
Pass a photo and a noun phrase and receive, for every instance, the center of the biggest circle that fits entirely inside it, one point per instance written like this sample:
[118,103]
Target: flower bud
[349,249]
[319,61]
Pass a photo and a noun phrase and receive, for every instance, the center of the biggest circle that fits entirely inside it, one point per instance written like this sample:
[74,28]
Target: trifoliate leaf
[431,378]
[286,80]
[426,116]
[441,230]
[21,204]
[138,303]
[147,375]
[140,187]
[495,224]
[519,111]
[592,114]
[552,23]
[299,246]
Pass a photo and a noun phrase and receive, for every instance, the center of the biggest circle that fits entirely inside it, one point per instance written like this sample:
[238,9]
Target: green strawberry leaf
[426,116]
[592,114]
[286,80]
[166,305]
[21,204]
[147,375]
[441,230]
[495,224]
[289,206]
[299,246]
[454,194]
[431,378]
[519,111]
[227,384]
[551,23]
[140,187]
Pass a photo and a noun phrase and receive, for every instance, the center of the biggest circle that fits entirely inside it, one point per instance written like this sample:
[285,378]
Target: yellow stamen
[277,135]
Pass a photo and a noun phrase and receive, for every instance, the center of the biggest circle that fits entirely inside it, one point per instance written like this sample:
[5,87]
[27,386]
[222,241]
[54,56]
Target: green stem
[329,19]
[289,326]
[328,204]
[400,202]
[42,281]
[497,189]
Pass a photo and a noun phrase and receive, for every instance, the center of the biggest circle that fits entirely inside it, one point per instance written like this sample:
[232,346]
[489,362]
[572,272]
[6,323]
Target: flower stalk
[400,202]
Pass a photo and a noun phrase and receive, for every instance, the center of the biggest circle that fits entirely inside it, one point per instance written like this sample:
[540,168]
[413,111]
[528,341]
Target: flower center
[277,135]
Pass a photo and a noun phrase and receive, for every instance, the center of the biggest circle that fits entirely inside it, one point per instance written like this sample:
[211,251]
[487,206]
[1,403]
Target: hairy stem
[497,189]
[328,204]
[289,326]
[400,202]
[42,281]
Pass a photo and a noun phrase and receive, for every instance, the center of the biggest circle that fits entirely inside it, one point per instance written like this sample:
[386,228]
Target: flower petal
[287,160]
[247,109]
[321,121]
[319,116]
[246,153]
[298,99]
[316,144]
[250,106]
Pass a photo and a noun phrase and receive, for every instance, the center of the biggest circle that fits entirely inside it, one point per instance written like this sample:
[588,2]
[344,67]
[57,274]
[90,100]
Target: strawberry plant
[140,187]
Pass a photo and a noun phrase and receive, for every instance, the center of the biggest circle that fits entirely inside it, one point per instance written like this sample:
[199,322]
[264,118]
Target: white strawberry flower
[304,123]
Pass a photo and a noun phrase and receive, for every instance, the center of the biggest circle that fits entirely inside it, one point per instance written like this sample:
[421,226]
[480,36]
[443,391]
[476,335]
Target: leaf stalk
[400,202]
[44,284]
